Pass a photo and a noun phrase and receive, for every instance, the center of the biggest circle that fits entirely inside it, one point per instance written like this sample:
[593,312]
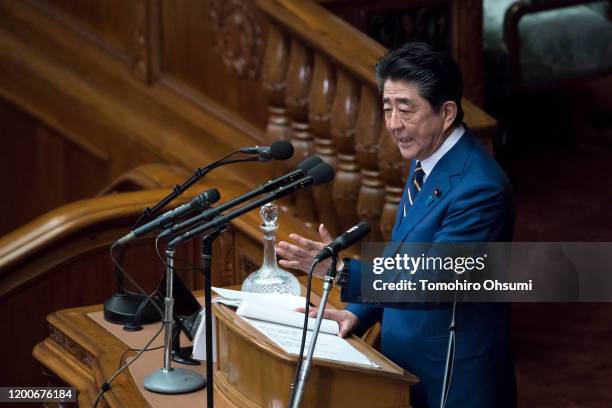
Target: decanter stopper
[270,278]
[269,214]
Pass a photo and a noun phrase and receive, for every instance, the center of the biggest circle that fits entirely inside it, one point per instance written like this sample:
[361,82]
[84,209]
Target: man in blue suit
[456,192]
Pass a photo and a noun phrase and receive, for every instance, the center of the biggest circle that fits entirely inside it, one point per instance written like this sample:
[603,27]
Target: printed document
[274,315]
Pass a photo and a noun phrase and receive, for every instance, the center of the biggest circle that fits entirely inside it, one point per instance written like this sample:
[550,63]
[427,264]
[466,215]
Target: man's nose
[394,122]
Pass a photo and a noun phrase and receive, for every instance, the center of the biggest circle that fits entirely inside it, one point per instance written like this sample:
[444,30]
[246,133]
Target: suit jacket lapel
[425,202]
[450,165]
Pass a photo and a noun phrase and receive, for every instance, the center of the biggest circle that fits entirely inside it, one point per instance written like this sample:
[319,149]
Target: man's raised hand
[301,254]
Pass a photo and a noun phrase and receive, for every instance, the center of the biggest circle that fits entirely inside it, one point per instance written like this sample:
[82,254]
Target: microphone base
[174,381]
[123,308]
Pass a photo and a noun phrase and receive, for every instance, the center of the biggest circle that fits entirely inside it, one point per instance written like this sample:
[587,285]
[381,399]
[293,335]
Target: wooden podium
[83,350]
[252,372]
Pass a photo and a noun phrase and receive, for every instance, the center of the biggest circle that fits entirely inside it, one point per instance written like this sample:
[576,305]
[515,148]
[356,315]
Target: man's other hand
[347,320]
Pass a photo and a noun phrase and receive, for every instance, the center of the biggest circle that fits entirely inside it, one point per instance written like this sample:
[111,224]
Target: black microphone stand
[450,356]
[206,259]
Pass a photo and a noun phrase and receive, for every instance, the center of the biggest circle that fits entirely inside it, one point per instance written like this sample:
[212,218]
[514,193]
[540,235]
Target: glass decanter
[270,278]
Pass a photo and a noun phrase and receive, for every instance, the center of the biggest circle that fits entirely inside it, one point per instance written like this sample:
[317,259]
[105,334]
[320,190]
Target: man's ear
[449,112]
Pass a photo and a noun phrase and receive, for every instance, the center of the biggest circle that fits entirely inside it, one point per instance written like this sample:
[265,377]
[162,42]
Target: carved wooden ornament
[237,36]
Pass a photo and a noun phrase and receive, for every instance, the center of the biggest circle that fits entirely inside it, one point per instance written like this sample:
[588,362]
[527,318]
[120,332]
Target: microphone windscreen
[354,234]
[281,150]
[212,195]
[308,163]
[321,173]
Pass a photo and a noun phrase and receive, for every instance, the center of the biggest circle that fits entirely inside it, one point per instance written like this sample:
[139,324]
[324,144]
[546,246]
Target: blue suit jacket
[474,205]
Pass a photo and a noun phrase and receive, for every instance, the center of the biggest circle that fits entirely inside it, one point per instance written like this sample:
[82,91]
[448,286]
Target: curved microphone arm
[148,213]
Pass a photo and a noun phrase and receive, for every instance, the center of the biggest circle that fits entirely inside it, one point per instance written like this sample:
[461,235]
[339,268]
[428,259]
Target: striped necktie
[416,182]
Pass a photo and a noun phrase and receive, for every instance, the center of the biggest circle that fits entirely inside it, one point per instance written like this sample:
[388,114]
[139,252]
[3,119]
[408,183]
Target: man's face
[417,129]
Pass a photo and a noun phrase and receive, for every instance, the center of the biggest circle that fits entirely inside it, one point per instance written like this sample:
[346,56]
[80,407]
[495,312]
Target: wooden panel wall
[209,51]
[215,48]
[110,21]
[40,169]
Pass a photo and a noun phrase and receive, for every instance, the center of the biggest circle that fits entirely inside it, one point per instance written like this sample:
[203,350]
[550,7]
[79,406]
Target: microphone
[345,240]
[279,150]
[319,174]
[302,169]
[199,202]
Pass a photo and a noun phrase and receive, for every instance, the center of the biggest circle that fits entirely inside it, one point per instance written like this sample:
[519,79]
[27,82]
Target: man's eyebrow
[406,101]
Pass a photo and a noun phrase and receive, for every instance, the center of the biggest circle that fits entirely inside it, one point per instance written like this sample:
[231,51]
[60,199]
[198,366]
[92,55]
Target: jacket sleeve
[368,314]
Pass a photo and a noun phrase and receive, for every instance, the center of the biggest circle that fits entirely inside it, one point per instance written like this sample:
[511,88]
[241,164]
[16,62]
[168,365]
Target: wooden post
[344,121]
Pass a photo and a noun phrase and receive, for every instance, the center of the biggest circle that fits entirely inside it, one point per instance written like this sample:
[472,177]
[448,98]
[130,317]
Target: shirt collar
[429,163]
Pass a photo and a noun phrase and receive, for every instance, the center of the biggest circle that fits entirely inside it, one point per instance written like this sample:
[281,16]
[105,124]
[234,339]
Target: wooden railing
[318,76]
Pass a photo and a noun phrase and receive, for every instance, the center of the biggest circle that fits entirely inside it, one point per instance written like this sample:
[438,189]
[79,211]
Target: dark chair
[535,44]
